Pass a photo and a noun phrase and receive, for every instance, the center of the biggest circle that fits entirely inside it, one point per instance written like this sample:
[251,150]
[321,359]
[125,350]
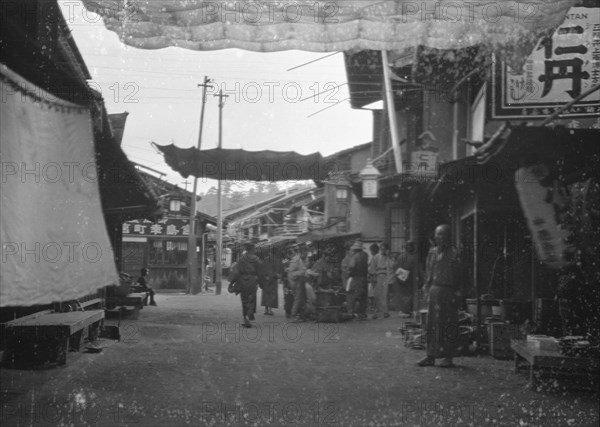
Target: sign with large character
[563,66]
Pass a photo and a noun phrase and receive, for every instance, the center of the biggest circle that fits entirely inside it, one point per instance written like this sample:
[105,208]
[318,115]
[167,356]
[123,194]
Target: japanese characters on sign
[562,67]
[423,162]
[541,205]
[164,227]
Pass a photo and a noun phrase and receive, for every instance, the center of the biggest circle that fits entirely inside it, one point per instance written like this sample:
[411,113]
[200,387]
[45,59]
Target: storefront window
[397,229]
[156,255]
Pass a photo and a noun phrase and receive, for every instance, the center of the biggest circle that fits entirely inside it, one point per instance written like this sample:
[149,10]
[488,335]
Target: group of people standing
[383,273]
[378,279]
[362,279]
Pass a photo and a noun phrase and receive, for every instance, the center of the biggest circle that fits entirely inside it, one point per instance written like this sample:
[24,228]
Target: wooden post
[219,248]
[203,256]
[391,109]
[192,255]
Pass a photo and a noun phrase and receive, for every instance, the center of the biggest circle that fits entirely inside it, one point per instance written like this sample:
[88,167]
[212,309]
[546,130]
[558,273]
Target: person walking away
[297,277]
[272,271]
[143,284]
[358,272]
[442,289]
[382,270]
[408,274]
[244,279]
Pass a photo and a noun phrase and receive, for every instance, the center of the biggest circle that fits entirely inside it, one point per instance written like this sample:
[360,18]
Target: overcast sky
[263,111]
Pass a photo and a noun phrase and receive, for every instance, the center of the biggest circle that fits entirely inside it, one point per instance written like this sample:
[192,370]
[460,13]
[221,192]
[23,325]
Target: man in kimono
[245,276]
[442,286]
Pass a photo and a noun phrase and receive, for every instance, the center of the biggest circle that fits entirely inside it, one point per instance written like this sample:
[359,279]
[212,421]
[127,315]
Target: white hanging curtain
[510,28]
[55,244]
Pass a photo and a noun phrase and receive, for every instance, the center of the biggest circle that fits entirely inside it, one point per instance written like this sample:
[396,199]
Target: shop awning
[547,161]
[325,234]
[124,193]
[122,190]
[510,28]
[574,154]
[275,241]
[241,165]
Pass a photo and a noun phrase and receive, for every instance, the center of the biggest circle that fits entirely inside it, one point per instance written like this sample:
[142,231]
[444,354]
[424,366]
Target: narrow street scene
[188,362]
[299,213]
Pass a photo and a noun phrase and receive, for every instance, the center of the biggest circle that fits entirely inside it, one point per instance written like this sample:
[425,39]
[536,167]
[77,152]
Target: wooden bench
[580,372]
[50,335]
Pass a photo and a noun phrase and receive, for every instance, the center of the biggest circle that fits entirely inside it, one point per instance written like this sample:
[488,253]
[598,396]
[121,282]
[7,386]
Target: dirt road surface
[188,362]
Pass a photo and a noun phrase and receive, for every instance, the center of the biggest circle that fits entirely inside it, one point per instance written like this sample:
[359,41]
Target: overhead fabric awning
[573,153]
[509,28]
[241,165]
[54,240]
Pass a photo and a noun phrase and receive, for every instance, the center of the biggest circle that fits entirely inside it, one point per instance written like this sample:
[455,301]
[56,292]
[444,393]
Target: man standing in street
[244,278]
[358,271]
[382,270]
[442,287]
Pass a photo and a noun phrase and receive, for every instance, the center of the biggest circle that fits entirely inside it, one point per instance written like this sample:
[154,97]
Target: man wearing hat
[245,276]
[358,271]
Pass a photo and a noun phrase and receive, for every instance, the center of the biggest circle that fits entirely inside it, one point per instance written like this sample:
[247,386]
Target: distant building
[162,244]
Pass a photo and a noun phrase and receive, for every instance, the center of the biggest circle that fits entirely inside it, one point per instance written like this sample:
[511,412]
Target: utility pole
[218,255]
[192,256]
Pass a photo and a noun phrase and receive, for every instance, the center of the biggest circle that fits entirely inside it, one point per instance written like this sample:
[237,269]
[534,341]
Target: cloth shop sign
[562,67]
[542,205]
[164,227]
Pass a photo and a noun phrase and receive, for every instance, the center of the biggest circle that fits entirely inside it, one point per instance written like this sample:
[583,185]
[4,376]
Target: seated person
[143,285]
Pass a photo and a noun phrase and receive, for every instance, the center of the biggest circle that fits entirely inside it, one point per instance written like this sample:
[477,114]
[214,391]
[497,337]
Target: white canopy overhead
[508,27]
